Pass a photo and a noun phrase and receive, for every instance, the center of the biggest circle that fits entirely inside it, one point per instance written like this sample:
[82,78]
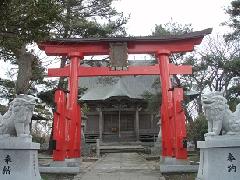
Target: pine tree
[22,23]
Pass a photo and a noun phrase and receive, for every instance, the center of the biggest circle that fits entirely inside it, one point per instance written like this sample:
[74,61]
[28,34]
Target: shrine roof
[168,38]
[132,87]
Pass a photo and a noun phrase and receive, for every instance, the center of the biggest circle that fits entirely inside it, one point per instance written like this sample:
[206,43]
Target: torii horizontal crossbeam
[106,71]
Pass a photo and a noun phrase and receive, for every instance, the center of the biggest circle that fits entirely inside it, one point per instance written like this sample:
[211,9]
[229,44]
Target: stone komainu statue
[15,122]
[219,117]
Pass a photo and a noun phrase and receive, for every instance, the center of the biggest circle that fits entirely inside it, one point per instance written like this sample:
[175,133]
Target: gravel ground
[87,165]
[57,177]
[183,176]
[186,176]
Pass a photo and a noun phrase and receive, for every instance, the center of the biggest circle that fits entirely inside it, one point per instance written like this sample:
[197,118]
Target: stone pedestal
[172,165]
[69,166]
[74,162]
[18,159]
[173,161]
[157,148]
[219,158]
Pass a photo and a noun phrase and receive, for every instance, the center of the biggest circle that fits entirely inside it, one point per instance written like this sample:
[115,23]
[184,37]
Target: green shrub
[197,129]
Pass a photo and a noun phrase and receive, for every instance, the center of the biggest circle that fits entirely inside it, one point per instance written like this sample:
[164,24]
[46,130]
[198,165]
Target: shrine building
[118,110]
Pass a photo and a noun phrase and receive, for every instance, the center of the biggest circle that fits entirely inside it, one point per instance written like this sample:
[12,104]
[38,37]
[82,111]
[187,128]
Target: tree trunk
[61,83]
[66,34]
[199,104]
[24,61]
[189,118]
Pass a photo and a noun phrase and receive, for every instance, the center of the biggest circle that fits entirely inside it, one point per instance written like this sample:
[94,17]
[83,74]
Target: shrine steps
[121,148]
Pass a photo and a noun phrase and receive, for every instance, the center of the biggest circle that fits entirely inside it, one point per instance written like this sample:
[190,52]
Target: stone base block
[60,170]
[173,165]
[19,159]
[219,158]
[69,166]
[178,168]
[74,162]
[173,161]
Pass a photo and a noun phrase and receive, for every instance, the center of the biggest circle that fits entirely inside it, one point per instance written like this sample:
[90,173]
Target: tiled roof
[168,38]
[127,86]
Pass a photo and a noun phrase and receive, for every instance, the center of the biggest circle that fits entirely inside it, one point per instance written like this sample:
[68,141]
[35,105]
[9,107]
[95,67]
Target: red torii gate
[67,115]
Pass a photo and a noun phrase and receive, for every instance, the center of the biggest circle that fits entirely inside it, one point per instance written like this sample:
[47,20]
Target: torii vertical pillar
[167,145]
[74,112]
[172,114]
[59,126]
[180,125]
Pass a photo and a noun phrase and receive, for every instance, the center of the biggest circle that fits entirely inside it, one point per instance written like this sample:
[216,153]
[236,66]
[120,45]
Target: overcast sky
[144,14]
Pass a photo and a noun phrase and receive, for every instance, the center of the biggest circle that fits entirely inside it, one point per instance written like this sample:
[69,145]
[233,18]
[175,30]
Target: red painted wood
[180,124]
[172,127]
[73,106]
[67,118]
[106,71]
[78,133]
[183,69]
[59,72]
[59,126]
[102,48]
[165,124]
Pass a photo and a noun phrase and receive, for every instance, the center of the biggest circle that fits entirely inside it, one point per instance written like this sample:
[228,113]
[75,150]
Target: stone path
[122,166]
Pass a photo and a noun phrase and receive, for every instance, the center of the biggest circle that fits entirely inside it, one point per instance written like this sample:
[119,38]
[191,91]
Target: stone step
[121,148]
[121,143]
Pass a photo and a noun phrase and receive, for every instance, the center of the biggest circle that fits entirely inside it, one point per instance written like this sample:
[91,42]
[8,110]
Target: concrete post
[98,147]
[137,124]
[100,122]
[152,119]
[119,123]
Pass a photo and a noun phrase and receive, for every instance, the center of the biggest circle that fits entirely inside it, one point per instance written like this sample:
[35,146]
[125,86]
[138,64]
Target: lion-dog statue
[15,122]
[219,117]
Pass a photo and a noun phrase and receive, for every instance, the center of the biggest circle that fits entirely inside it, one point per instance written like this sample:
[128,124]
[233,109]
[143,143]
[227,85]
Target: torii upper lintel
[136,45]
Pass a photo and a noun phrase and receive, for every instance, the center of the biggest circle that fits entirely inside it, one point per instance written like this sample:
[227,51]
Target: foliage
[39,135]
[153,101]
[107,80]
[213,68]
[7,89]
[171,28]
[233,66]
[233,94]
[89,18]
[197,129]
[47,96]
[22,22]
[234,12]
[25,22]
[84,109]
[3,109]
